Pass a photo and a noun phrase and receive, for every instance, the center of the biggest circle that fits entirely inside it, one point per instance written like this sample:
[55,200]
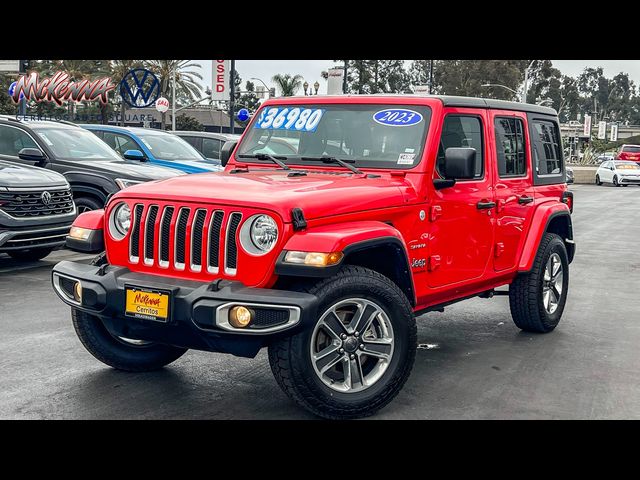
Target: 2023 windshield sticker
[397,117]
[285,118]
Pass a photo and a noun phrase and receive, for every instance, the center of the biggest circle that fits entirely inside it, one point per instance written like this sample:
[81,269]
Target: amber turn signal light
[240,317]
[79,233]
[313,259]
[77,292]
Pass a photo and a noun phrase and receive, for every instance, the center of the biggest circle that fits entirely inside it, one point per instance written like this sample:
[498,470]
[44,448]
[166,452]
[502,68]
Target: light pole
[265,85]
[498,85]
[173,99]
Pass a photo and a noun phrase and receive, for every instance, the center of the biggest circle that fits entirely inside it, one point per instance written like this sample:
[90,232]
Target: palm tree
[187,84]
[287,84]
[118,69]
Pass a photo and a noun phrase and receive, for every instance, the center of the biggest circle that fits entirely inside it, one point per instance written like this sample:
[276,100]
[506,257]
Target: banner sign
[220,90]
[334,81]
[613,136]
[587,126]
[602,130]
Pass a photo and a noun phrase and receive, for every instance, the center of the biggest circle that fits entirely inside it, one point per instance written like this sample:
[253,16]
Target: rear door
[461,236]
[514,191]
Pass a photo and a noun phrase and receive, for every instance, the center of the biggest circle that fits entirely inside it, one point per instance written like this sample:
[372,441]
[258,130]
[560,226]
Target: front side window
[75,144]
[12,140]
[510,147]
[371,135]
[461,131]
[547,148]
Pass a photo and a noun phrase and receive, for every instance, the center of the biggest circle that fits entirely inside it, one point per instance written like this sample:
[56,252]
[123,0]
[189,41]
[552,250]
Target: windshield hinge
[297,218]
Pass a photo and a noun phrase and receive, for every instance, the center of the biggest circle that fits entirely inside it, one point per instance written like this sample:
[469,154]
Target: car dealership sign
[59,88]
[220,82]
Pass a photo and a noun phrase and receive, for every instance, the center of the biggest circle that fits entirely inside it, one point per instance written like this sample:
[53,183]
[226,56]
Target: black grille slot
[32,204]
[181,234]
[165,232]
[134,245]
[231,257]
[265,318]
[149,237]
[214,239]
[196,238]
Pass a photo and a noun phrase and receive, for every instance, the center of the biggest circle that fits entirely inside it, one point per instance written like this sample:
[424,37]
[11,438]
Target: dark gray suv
[36,211]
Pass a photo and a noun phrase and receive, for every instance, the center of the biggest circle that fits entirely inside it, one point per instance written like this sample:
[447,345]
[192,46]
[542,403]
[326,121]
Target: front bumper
[629,181]
[51,236]
[198,311]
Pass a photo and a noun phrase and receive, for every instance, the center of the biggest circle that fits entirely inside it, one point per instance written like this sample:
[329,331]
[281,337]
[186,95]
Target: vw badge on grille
[45,197]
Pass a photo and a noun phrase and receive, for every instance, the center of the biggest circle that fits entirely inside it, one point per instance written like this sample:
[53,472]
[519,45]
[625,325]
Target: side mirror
[460,163]
[134,155]
[226,151]
[32,154]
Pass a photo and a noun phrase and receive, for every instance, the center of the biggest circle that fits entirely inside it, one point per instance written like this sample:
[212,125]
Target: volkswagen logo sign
[46,197]
[140,88]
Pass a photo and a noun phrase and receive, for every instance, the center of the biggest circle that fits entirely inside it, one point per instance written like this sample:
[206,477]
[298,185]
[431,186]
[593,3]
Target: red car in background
[629,152]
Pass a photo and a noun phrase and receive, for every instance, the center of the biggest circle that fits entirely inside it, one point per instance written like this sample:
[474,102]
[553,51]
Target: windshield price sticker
[300,119]
[397,117]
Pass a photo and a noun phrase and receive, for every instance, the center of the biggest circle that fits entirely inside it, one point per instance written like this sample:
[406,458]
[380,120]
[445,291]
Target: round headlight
[120,221]
[259,234]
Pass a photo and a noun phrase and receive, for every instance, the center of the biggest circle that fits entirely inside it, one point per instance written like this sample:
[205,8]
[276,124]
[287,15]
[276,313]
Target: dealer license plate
[147,304]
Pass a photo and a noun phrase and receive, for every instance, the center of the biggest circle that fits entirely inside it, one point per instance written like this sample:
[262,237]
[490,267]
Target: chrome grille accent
[185,238]
[149,235]
[180,240]
[213,251]
[28,203]
[231,246]
[134,243]
[195,249]
[165,232]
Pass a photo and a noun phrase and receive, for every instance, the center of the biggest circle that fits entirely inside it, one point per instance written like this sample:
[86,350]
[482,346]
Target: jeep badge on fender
[336,222]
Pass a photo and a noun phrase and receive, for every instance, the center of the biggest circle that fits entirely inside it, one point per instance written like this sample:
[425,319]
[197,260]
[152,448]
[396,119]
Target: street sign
[421,89]
[334,81]
[613,136]
[220,88]
[162,104]
[10,66]
[602,130]
[587,126]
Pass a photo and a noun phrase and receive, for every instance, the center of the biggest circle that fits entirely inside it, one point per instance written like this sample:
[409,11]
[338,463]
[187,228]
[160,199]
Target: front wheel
[359,351]
[537,298]
[615,181]
[121,353]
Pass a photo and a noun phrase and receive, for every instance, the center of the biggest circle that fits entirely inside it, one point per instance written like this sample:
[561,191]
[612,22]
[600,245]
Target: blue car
[155,146]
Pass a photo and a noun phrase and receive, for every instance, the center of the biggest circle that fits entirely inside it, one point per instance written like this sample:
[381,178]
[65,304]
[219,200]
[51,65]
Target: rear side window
[547,149]
[12,140]
[510,147]
[631,149]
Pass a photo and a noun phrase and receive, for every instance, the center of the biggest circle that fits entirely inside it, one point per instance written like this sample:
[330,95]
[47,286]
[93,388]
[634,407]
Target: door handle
[524,199]
[485,205]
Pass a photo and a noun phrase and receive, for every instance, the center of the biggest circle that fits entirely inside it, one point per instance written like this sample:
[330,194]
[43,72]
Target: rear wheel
[31,255]
[598,182]
[122,353]
[359,352]
[86,204]
[537,298]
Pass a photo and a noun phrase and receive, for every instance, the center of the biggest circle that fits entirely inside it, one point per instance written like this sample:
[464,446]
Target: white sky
[310,69]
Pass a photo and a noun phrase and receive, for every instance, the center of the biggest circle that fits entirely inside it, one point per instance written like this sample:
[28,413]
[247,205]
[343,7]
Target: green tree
[187,84]
[287,84]
[184,122]
[419,71]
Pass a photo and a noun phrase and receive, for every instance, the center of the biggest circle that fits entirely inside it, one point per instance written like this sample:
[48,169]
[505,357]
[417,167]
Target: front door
[515,202]
[461,236]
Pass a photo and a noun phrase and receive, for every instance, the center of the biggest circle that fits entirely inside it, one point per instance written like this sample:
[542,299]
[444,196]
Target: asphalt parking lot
[472,363]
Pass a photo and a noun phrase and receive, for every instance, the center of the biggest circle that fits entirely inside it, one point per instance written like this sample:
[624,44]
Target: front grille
[188,239]
[36,203]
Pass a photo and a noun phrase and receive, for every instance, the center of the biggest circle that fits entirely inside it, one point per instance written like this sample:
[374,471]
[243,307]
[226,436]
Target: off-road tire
[116,353]
[290,357]
[525,293]
[31,254]
[598,182]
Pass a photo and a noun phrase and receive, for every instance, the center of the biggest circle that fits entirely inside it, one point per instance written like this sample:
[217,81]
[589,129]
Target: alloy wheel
[552,283]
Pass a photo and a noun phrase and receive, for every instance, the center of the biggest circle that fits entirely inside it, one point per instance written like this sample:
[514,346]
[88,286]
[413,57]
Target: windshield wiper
[266,156]
[346,163]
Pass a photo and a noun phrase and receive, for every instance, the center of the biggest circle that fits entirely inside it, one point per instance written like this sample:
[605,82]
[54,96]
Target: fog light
[77,292]
[240,317]
[79,233]
[313,259]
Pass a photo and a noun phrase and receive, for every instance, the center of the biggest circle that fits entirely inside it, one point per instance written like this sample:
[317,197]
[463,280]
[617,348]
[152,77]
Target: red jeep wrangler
[335,223]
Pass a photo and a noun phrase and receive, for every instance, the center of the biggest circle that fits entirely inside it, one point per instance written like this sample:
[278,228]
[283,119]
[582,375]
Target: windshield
[170,147]
[627,165]
[76,143]
[382,136]
[631,149]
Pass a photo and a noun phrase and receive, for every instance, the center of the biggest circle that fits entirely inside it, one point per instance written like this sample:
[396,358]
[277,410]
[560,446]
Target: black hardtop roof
[475,102]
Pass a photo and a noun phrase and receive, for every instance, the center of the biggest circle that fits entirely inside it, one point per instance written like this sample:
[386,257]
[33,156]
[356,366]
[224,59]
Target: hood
[317,194]
[12,175]
[130,169]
